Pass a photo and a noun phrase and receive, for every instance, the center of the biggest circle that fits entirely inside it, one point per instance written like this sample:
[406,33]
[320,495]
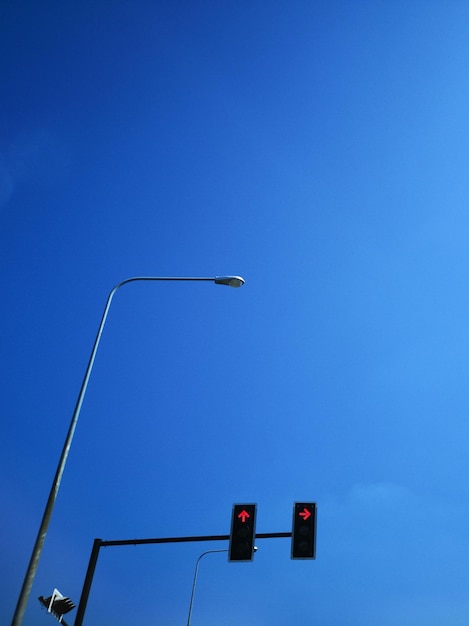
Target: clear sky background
[320,149]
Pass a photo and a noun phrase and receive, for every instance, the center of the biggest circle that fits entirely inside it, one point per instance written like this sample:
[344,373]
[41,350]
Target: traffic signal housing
[57,605]
[243,528]
[303,543]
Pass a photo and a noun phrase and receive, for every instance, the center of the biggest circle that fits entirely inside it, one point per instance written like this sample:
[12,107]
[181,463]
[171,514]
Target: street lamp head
[255,548]
[231,281]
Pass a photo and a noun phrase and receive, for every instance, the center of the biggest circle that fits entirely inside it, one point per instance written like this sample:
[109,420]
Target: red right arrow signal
[243,516]
[303,544]
[305,514]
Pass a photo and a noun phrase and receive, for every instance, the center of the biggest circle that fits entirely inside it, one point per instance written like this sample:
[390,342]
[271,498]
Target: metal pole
[87,584]
[232,281]
[195,581]
[99,543]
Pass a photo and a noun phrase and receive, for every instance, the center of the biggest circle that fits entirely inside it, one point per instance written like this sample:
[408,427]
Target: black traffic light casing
[243,529]
[57,605]
[303,542]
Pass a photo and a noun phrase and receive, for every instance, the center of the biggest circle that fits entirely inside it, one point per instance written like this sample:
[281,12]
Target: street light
[231,281]
[195,579]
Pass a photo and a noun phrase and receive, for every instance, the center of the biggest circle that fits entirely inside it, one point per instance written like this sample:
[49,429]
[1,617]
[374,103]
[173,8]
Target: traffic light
[303,543]
[243,527]
[57,605]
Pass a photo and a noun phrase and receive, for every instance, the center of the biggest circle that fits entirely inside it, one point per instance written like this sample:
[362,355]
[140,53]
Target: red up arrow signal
[305,514]
[244,515]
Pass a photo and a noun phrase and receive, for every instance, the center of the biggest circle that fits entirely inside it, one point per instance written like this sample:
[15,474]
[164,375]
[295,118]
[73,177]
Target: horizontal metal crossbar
[135,542]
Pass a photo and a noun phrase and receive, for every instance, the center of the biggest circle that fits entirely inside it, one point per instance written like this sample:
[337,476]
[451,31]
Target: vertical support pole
[88,581]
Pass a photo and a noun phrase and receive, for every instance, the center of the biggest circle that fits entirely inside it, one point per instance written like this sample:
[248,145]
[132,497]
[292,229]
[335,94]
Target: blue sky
[320,150]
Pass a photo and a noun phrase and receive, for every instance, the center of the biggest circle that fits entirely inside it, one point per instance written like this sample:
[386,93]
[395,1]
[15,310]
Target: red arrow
[305,514]
[243,515]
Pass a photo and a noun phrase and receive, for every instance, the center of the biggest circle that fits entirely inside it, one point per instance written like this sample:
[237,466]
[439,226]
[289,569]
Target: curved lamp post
[231,281]
[194,582]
